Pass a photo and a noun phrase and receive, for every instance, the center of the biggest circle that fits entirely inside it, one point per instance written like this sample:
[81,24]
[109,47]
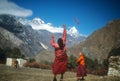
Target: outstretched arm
[52,42]
[64,34]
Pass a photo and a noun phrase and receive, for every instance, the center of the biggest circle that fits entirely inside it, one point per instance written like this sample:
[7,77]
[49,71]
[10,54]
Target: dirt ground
[33,74]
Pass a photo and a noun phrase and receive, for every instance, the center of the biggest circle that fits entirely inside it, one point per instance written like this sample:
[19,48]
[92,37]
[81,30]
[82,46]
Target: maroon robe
[60,61]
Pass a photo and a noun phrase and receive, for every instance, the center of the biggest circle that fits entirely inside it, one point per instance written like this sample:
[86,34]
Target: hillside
[32,74]
[100,44]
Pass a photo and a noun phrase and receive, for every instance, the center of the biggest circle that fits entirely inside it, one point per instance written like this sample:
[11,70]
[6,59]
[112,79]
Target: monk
[81,70]
[60,61]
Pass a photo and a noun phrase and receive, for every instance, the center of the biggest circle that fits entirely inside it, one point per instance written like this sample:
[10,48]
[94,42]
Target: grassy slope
[32,74]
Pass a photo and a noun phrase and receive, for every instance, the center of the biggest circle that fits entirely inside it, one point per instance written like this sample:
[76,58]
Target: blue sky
[92,14]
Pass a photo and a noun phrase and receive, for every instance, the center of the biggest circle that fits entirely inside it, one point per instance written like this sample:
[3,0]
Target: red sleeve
[52,42]
[64,35]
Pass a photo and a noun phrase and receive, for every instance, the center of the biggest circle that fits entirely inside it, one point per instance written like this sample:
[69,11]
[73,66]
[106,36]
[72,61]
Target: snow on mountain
[39,24]
[73,32]
[38,21]
[44,46]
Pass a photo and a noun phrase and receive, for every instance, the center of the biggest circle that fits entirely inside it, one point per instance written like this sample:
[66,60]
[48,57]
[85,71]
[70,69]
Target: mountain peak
[73,31]
[39,24]
[38,21]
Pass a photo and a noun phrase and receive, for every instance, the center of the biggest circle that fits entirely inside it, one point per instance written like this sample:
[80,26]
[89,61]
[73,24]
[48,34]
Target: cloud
[8,7]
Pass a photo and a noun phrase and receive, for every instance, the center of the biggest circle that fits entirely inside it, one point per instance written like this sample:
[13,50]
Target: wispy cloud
[8,7]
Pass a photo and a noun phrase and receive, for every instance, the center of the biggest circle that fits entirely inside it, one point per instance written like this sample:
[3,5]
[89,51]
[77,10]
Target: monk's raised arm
[64,34]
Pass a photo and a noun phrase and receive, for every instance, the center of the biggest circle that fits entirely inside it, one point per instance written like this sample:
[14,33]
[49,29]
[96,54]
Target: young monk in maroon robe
[81,70]
[60,61]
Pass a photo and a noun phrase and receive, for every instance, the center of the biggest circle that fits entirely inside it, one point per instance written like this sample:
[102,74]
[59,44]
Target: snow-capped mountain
[34,34]
[38,21]
[39,24]
[74,32]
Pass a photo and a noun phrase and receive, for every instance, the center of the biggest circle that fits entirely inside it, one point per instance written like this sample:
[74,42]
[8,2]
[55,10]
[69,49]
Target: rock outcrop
[114,66]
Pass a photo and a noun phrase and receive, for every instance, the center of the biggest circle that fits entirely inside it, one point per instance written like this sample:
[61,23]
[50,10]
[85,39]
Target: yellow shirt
[81,60]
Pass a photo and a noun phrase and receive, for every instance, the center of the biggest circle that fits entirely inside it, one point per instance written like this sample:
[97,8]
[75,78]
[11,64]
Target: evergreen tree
[72,62]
